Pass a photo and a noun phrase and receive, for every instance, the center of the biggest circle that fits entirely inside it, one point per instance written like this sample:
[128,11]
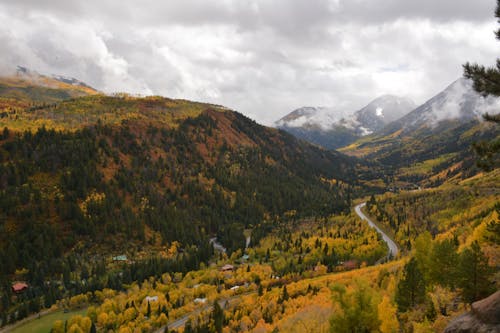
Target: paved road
[176,324]
[393,247]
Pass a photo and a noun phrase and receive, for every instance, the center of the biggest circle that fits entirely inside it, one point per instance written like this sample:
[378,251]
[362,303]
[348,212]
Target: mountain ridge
[333,128]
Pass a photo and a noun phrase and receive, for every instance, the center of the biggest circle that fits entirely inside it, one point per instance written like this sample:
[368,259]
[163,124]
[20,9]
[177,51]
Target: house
[200,300]
[19,287]
[120,258]
[227,268]
[350,264]
[151,299]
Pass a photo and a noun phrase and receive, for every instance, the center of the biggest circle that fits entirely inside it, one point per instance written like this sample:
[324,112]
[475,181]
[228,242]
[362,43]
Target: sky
[262,58]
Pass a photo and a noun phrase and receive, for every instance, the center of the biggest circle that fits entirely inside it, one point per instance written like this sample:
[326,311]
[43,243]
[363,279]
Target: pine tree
[444,262]
[411,288]
[284,295]
[474,274]
[487,82]
[218,317]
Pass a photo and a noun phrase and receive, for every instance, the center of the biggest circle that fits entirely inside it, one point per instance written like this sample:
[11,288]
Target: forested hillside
[113,199]
[104,176]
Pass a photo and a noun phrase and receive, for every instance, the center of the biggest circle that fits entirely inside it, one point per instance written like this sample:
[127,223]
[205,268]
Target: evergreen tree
[474,274]
[411,288]
[217,317]
[284,295]
[487,82]
[444,262]
[430,310]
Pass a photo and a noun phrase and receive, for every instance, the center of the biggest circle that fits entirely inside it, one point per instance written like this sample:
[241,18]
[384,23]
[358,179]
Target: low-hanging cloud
[263,58]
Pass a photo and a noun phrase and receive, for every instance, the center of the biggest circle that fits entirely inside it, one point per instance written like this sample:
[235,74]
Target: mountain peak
[458,101]
[53,81]
[321,118]
[382,111]
[332,128]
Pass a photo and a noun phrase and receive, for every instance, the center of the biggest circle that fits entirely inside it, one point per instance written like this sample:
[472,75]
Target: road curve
[393,248]
[180,322]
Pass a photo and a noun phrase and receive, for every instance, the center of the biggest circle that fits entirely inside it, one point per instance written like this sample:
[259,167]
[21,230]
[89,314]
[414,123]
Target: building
[227,268]
[19,287]
[151,299]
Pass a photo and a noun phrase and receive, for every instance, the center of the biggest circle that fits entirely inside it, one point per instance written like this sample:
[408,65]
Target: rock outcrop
[484,317]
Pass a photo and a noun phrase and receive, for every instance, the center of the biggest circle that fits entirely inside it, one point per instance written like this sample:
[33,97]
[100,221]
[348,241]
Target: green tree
[423,250]
[284,295]
[218,317]
[487,82]
[474,274]
[358,309]
[411,288]
[444,262]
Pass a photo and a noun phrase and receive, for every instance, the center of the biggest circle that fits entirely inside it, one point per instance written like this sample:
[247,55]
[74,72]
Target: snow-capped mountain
[322,118]
[458,102]
[439,133]
[333,128]
[378,113]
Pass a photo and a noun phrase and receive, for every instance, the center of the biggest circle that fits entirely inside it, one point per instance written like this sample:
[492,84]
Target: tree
[358,310]
[218,317]
[423,250]
[474,274]
[487,82]
[284,295]
[411,288]
[444,262]
[387,316]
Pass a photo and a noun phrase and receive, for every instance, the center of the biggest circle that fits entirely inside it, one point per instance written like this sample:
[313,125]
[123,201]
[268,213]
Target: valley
[151,214]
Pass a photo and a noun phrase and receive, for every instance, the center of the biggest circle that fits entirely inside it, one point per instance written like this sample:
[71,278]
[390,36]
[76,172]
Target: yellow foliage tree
[58,327]
[102,319]
[75,329]
[387,316]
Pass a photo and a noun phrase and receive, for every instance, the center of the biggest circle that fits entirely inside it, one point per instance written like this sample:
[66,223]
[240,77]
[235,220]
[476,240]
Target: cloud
[263,58]
[460,101]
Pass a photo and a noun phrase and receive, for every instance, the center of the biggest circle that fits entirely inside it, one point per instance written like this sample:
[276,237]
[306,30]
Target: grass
[427,166]
[44,324]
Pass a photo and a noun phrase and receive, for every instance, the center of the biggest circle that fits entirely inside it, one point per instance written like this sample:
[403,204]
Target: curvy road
[393,248]
[393,251]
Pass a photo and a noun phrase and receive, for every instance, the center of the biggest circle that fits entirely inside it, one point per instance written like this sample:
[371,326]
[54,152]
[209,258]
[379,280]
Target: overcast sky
[263,58]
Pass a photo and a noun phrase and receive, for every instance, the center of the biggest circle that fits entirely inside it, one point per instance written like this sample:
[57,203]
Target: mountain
[333,128]
[120,173]
[28,88]
[457,103]
[434,141]
[378,113]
